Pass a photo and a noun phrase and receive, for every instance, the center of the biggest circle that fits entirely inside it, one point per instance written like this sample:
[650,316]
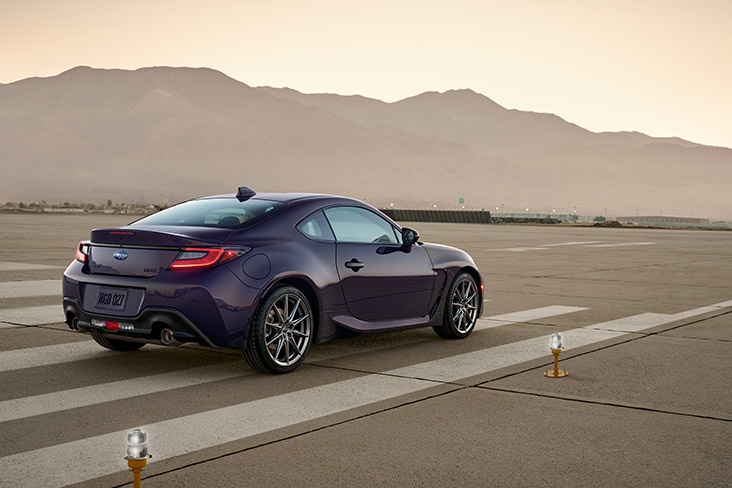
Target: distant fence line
[455,216]
[525,220]
[460,217]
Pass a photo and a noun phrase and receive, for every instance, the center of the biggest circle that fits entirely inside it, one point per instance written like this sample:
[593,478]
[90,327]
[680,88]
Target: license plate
[111,299]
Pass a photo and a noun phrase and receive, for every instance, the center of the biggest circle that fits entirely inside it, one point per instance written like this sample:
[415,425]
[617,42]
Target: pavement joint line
[572,276]
[638,335]
[608,404]
[699,338]
[584,297]
[625,268]
[9,325]
[384,373]
[523,292]
[301,434]
[39,315]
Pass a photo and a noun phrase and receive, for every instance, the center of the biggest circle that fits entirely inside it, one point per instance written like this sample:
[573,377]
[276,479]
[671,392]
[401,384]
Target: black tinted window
[316,227]
[216,212]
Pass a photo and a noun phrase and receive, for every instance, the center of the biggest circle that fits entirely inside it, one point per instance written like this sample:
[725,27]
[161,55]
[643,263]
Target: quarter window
[316,227]
[355,224]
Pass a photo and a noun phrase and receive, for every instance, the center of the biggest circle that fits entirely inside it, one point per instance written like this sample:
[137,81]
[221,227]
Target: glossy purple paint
[397,289]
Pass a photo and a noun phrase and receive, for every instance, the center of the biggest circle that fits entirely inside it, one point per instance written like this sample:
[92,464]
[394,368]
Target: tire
[281,332]
[115,344]
[461,308]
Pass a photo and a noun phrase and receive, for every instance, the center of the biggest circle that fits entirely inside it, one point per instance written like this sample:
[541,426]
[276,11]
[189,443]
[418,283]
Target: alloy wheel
[464,308]
[287,329]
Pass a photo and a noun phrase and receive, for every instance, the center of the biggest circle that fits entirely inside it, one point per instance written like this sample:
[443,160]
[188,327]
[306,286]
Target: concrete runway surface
[647,323]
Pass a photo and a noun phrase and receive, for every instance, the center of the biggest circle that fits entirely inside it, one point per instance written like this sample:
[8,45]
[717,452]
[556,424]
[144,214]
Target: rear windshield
[227,213]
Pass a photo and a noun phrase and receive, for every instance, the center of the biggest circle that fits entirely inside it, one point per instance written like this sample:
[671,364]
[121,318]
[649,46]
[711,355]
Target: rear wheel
[115,344]
[461,309]
[281,332]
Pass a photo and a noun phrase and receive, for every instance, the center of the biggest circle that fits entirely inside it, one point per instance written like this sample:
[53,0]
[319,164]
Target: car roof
[289,197]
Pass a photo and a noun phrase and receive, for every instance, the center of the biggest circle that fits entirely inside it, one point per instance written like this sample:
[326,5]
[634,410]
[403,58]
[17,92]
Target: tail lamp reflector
[203,257]
[82,252]
[111,325]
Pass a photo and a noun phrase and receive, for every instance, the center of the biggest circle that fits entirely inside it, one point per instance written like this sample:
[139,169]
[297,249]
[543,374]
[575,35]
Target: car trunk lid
[144,252]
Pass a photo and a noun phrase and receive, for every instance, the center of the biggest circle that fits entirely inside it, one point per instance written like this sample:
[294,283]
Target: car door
[379,280]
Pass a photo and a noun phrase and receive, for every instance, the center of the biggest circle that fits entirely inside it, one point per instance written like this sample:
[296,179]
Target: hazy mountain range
[167,134]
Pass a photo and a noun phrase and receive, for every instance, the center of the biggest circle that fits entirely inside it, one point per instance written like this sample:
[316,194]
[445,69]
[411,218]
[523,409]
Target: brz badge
[120,255]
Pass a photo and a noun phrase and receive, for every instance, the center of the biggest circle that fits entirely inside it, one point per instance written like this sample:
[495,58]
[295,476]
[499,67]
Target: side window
[316,227]
[354,224]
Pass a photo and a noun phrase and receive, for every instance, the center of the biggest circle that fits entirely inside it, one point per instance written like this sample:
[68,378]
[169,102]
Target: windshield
[227,213]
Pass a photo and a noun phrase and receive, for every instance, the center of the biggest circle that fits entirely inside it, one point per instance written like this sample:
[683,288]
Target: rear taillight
[82,252]
[204,257]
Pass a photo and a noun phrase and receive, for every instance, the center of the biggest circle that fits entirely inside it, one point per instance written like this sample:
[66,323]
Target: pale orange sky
[663,67]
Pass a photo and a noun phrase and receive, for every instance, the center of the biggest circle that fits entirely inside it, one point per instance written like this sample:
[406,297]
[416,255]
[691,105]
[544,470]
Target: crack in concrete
[608,404]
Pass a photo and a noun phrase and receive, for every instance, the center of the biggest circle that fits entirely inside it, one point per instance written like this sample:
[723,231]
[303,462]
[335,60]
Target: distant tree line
[86,206]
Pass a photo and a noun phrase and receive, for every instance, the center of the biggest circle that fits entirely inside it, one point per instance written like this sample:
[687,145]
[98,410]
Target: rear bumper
[145,327]
[212,307]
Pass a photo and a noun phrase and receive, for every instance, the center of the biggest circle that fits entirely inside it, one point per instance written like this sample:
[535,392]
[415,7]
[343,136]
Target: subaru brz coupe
[267,274]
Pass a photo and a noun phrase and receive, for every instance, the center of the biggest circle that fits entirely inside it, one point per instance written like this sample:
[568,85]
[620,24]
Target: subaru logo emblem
[120,255]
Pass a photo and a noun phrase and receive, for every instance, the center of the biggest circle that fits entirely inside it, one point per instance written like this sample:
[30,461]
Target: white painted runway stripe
[548,247]
[572,243]
[525,316]
[13,266]
[98,456]
[47,314]
[621,244]
[22,289]
[650,320]
[117,390]
[77,351]
[520,249]
[31,357]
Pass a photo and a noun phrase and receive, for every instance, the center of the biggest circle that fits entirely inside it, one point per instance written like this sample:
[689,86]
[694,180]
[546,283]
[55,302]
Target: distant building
[660,220]
[64,210]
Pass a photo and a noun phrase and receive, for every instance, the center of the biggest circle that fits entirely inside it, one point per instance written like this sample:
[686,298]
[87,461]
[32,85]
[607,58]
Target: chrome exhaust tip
[75,324]
[166,337]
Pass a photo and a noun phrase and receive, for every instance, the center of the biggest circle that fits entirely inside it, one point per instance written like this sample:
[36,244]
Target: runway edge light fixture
[556,346]
[136,453]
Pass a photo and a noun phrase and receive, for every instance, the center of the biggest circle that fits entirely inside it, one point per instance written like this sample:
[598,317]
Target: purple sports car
[268,274]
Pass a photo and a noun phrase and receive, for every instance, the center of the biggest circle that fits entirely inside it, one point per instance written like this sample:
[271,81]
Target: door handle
[354,264]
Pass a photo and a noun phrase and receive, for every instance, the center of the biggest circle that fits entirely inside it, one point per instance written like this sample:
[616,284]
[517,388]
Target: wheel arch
[307,288]
[479,280]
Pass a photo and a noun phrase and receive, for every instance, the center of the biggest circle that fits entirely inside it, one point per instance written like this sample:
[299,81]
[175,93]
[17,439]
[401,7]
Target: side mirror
[409,236]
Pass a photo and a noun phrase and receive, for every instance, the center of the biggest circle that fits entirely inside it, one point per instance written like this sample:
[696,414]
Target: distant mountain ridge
[165,134]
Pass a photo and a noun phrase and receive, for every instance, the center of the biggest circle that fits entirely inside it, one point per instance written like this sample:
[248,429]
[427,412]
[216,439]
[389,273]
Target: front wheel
[461,309]
[281,332]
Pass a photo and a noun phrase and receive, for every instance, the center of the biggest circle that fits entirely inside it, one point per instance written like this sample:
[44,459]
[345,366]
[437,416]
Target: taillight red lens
[203,257]
[82,251]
